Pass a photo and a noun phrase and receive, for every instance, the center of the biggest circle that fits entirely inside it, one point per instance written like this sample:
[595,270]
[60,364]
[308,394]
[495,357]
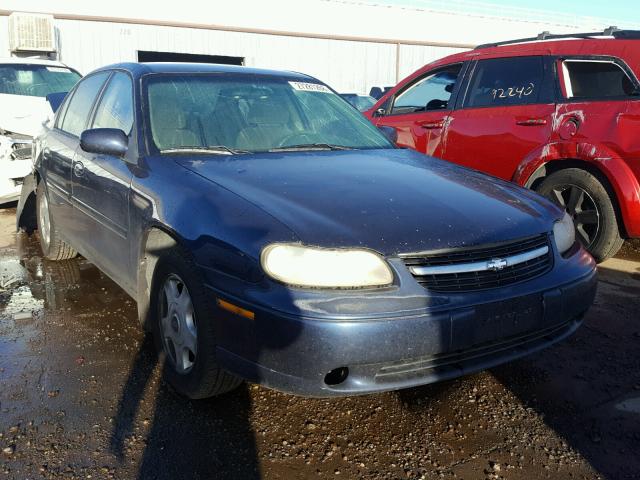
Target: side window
[116,105]
[596,79]
[499,82]
[76,116]
[62,110]
[429,93]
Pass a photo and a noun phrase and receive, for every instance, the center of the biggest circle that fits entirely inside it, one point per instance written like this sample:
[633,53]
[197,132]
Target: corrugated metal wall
[348,66]
[345,65]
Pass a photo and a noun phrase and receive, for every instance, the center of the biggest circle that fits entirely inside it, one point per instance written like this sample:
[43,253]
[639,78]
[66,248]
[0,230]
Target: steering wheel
[296,139]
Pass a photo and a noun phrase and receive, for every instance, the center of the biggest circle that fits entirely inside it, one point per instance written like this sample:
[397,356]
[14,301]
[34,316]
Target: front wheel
[53,247]
[183,328]
[587,201]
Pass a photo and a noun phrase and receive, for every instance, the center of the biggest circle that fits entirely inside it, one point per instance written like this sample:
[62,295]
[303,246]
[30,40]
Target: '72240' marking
[513,92]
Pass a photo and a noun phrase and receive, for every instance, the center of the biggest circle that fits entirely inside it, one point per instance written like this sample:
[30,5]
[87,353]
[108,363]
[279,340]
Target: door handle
[78,169]
[432,125]
[532,122]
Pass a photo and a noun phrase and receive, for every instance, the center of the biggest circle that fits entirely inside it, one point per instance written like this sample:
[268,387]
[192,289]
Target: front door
[420,110]
[506,115]
[101,183]
[62,143]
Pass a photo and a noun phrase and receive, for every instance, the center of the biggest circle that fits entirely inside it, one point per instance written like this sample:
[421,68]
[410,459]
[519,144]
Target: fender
[598,156]
[26,211]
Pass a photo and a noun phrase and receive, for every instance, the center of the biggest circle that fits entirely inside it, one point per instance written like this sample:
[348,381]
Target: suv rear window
[501,82]
[596,79]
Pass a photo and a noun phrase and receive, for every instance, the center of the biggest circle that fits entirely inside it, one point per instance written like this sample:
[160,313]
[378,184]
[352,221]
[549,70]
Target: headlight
[564,233]
[302,266]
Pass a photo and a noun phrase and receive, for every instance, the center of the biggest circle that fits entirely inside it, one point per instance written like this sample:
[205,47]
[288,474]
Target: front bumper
[294,353]
[15,164]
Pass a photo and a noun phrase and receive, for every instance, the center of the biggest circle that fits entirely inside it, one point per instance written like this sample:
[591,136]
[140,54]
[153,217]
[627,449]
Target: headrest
[265,111]
[168,113]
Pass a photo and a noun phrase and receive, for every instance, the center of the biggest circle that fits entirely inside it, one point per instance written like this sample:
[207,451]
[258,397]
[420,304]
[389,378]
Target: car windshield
[36,80]
[361,102]
[231,113]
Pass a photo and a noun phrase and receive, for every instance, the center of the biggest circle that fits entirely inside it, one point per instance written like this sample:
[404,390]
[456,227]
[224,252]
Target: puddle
[631,405]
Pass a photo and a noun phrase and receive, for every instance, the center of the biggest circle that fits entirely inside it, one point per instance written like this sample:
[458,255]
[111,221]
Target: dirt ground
[80,397]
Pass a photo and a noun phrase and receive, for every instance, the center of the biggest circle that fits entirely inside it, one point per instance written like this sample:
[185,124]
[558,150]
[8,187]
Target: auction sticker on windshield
[310,87]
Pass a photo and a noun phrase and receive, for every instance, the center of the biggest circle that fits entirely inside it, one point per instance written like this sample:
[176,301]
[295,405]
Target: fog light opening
[336,376]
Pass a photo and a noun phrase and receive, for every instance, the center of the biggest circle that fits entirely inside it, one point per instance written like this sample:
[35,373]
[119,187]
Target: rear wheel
[586,199]
[183,328]
[53,247]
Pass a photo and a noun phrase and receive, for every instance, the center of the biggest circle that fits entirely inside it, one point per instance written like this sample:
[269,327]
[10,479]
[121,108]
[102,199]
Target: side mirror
[107,141]
[389,132]
[380,112]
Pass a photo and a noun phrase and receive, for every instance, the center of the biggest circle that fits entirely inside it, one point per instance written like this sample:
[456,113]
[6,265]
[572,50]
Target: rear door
[420,110]
[597,94]
[61,144]
[100,186]
[506,114]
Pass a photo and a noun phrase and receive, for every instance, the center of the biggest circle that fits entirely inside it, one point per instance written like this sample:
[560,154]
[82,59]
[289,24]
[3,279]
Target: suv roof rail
[612,31]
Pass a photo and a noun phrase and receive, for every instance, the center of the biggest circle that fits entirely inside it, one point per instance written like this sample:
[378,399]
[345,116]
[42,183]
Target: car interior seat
[268,123]
[174,125]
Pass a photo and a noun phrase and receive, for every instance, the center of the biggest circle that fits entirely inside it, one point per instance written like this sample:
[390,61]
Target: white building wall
[379,44]
[345,65]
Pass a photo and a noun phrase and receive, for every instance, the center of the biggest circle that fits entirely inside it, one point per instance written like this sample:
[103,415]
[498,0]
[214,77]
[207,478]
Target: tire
[194,374]
[53,247]
[589,203]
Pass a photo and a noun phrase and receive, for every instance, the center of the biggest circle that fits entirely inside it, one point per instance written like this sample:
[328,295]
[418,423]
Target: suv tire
[53,247]
[183,326]
[588,202]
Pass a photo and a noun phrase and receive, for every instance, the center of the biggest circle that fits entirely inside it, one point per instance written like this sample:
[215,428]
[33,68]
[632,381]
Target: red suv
[558,113]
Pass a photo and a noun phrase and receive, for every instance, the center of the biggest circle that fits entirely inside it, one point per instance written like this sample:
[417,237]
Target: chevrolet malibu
[269,232]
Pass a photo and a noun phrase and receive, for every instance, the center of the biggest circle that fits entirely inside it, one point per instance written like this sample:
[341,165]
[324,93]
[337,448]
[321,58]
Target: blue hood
[392,201]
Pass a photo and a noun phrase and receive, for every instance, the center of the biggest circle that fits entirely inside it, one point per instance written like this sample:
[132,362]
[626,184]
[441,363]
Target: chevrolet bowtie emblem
[497,264]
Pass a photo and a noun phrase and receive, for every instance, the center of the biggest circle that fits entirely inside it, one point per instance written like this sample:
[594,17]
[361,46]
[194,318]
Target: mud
[81,397]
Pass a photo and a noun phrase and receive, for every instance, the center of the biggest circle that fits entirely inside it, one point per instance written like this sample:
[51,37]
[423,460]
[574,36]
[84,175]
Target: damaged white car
[30,90]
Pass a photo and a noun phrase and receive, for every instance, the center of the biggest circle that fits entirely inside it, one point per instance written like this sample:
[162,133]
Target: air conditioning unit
[29,32]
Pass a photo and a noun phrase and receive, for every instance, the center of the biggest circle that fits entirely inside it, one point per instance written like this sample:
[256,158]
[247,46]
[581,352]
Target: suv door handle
[532,122]
[78,169]
[432,125]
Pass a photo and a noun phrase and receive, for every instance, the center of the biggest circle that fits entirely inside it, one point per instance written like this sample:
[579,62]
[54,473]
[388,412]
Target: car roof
[31,61]
[141,69]
[571,46]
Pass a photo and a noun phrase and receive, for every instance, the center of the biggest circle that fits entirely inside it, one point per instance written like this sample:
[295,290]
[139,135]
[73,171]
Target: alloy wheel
[582,208]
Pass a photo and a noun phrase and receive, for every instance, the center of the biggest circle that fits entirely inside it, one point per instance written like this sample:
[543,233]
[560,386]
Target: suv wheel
[183,329]
[53,247]
[588,202]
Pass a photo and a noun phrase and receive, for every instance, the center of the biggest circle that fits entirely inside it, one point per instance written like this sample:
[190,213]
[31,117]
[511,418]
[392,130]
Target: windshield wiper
[309,146]
[215,149]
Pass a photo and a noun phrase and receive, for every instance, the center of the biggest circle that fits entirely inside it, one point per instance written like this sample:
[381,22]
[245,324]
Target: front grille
[483,279]
[467,359]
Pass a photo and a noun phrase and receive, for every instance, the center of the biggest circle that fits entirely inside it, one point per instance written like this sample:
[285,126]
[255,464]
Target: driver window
[432,92]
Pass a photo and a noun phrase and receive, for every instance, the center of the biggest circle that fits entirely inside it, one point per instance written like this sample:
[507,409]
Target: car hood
[23,114]
[392,201]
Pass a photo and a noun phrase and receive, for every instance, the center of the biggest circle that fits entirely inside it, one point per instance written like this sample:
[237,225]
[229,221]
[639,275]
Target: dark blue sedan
[269,232]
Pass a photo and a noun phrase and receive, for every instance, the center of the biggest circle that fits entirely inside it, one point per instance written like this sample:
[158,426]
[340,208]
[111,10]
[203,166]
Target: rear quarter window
[593,79]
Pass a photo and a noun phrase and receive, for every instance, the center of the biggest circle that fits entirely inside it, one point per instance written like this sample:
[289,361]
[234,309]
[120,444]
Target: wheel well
[554,166]
[27,220]
[157,240]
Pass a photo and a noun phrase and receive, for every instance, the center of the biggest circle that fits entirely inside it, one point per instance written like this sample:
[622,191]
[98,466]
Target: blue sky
[628,10]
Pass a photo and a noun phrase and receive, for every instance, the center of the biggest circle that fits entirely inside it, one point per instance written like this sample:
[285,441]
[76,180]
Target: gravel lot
[80,397]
